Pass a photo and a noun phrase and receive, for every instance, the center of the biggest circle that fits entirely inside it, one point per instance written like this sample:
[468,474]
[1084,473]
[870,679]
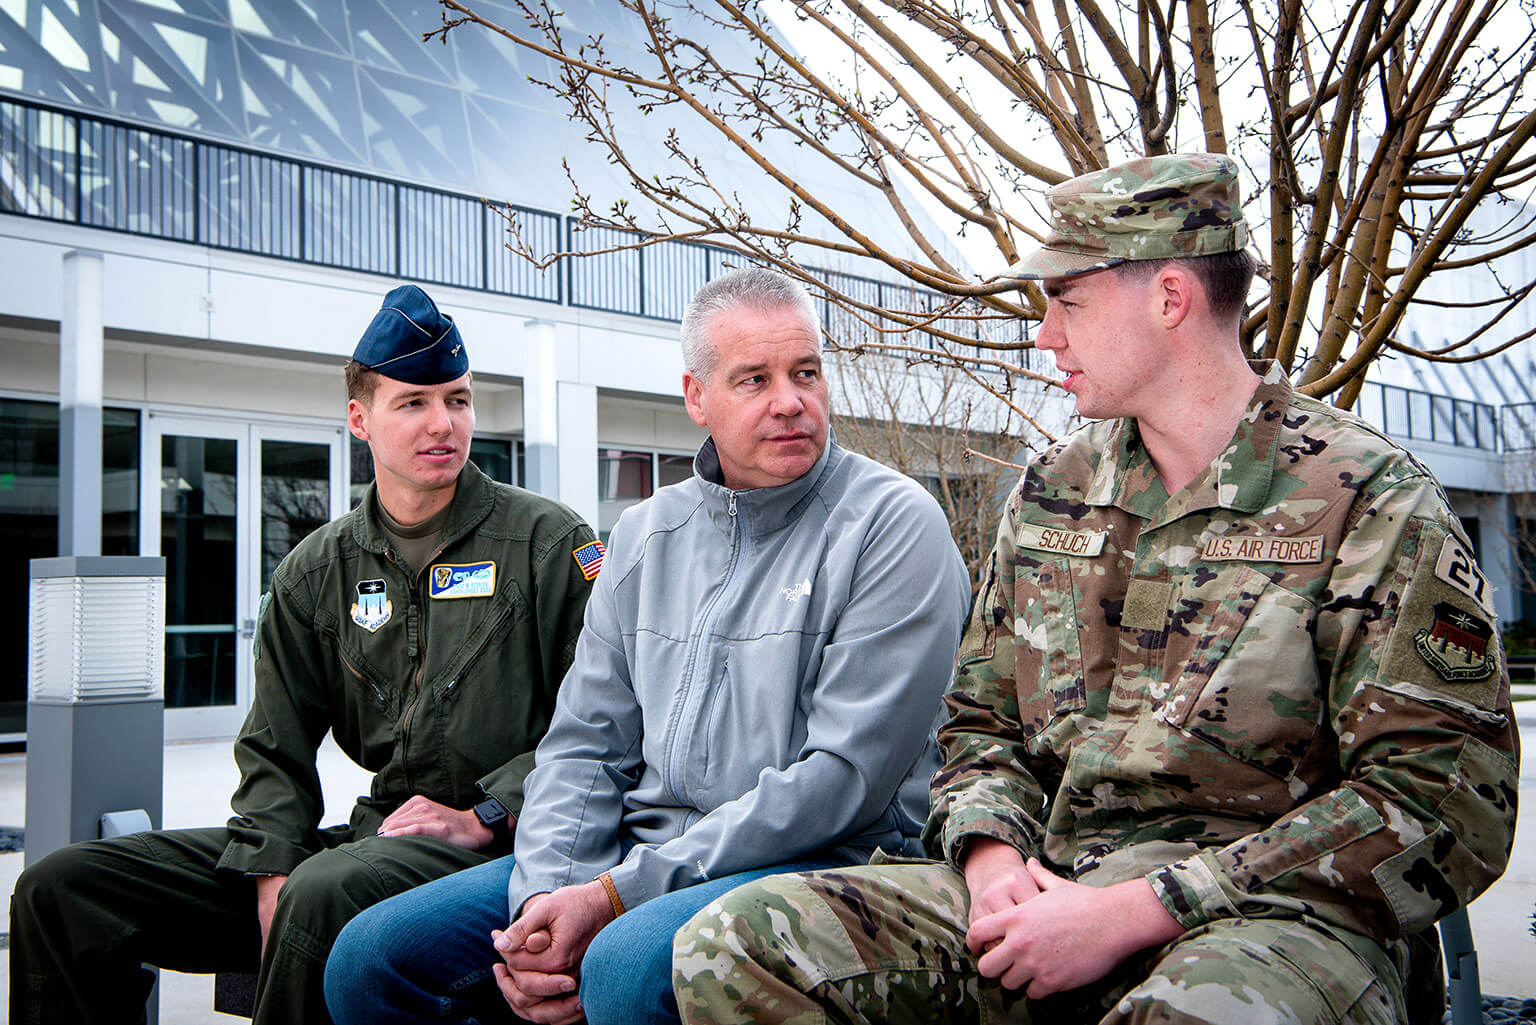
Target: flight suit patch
[462,580]
[373,607]
[589,559]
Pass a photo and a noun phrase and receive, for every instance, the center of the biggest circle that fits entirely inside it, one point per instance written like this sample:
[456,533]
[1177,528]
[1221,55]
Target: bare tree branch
[1380,142]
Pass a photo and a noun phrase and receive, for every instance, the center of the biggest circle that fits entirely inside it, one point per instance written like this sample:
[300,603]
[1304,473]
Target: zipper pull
[733,503]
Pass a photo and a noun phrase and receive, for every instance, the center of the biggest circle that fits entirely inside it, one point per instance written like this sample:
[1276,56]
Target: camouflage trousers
[886,944]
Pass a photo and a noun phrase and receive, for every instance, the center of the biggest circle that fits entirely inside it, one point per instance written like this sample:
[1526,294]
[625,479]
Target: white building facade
[211,198]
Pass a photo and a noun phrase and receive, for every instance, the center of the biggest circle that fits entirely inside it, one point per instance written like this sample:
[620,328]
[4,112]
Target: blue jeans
[426,954]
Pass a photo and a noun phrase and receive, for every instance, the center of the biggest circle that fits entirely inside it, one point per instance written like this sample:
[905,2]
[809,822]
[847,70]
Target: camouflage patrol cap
[1151,208]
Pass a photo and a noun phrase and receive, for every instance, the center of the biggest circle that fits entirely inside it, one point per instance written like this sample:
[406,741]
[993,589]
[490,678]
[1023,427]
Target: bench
[1462,986]
[235,992]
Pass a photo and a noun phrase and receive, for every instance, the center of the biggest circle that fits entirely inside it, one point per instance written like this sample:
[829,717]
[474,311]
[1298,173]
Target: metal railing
[67,165]
[1425,416]
[1518,426]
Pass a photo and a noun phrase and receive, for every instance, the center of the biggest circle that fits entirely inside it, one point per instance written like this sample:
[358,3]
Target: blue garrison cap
[410,341]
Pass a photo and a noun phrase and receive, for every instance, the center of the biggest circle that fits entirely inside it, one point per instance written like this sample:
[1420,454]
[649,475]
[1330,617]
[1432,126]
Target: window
[29,519]
[1525,557]
[673,469]
[199,489]
[627,477]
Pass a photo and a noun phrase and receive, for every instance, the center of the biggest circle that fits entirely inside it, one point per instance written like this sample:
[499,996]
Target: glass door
[193,510]
[223,502]
[301,490]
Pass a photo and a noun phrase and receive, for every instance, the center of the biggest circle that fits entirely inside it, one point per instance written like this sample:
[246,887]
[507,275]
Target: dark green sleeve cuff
[506,783]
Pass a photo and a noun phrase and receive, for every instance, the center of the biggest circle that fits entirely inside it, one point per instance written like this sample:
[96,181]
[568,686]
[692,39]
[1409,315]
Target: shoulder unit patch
[1456,645]
[1457,568]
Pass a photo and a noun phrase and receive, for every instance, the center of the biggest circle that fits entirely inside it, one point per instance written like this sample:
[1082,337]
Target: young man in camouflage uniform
[1231,724]
[427,631]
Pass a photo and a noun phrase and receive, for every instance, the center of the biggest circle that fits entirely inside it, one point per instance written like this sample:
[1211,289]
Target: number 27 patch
[1457,568]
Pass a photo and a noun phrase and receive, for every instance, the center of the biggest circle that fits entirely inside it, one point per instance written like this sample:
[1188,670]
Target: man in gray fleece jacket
[755,690]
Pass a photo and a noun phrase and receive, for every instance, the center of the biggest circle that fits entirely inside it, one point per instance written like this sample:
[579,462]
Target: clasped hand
[541,952]
[1034,930]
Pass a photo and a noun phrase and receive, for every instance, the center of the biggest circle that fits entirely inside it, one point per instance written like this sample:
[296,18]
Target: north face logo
[800,590]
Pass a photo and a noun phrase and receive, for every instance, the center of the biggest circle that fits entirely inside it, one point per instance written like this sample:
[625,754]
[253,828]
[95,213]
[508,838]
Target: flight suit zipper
[416,646]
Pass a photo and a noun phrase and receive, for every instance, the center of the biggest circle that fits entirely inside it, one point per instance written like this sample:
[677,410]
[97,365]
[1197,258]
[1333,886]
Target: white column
[578,449]
[1497,526]
[541,404]
[559,423]
[80,396]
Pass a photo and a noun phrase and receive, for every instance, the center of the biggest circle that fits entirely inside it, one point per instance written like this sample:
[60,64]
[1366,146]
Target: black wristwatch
[493,816]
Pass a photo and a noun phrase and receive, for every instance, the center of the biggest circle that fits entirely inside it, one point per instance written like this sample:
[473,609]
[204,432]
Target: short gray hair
[753,288]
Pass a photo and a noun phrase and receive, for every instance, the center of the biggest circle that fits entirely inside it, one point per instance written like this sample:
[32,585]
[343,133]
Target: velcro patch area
[1444,640]
[1146,604]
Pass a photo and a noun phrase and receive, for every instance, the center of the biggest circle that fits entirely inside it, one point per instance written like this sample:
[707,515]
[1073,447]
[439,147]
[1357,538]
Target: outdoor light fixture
[95,636]
[95,698]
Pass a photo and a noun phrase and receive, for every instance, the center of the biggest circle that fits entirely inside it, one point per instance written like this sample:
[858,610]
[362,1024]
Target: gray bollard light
[95,698]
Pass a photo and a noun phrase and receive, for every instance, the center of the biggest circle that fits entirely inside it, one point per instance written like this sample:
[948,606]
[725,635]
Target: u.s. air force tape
[1239,548]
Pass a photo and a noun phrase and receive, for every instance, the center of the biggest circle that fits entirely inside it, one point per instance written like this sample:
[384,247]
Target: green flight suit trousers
[88,916]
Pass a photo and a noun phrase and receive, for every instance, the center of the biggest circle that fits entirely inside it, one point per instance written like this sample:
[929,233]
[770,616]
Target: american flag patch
[590,558]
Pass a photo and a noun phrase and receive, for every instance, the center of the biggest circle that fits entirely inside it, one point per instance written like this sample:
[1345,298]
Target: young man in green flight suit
[427,630]
[1231,725]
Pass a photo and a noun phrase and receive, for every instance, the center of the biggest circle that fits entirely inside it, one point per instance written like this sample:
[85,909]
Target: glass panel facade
[495,457]
[29,519]
[623,475]
[120,482]
[623,478]
[341,81]
[673,469]
[200,543]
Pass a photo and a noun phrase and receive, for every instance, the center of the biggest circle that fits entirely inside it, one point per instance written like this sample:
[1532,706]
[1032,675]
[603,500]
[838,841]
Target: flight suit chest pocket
[359,676]
[1240,667]
[1047,594]
[474,642]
